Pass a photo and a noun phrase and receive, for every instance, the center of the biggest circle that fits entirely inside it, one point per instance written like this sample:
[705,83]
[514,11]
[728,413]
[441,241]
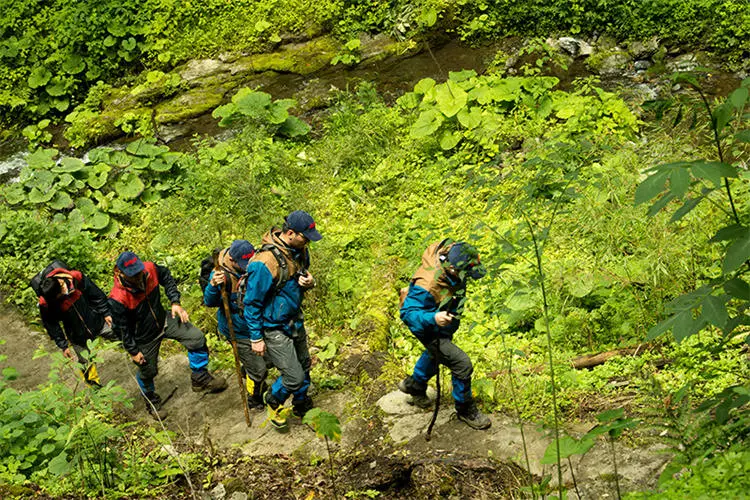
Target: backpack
[207,265]
[279,282]
[36,281]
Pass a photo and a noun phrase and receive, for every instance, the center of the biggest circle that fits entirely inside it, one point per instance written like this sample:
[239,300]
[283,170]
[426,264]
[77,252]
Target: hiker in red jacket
[141,322]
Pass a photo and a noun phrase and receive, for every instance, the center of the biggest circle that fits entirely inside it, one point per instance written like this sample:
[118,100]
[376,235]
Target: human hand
[259,347]
[306,280]
[443,318]
[108,320]
[218,278]
[178,311]
[68,353]
[138,359]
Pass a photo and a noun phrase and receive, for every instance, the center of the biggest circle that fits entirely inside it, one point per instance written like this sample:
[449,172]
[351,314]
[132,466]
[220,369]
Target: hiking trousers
[254,366]
[291,356]
[453,357]
[186,334]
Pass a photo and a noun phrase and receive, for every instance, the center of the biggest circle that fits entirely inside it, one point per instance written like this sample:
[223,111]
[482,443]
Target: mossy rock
[191,104]
[381,47]
[300,58]
[608,62]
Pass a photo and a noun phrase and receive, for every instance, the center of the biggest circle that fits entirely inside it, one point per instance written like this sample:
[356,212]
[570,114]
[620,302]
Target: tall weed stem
[540,274]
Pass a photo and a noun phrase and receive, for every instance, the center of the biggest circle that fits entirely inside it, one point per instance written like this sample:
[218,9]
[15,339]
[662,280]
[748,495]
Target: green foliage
[67,437]
[257,108]
[325,425]
[93,195]
[694,182]
[350,54]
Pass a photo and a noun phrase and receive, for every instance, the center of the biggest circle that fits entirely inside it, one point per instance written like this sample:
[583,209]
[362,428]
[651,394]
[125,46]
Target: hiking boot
[153,405]
[205,382]
[418,394]
[301,407]
[255,392]
[275,409]
[470,414]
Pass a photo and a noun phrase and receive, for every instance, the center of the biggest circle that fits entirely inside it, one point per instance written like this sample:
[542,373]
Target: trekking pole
[225,291]
[436,355]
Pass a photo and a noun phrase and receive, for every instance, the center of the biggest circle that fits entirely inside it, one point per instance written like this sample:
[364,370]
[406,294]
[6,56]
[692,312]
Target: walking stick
[436,354]
[225,292]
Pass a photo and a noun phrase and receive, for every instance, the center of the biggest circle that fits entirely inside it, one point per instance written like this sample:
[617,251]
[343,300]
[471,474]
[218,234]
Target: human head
[241,251]
[50,289]
[464,258]
[130,266]
[302,227]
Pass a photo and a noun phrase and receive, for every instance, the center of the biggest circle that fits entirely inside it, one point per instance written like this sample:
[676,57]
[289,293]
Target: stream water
[393,77]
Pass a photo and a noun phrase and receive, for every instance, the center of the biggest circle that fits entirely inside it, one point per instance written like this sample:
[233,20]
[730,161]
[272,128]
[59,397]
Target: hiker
[277,278]
[69,296]
[232,264]
[142,323]
[432,309]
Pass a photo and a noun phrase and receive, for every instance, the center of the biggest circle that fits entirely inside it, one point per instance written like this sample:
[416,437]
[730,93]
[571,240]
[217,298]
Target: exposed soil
[383,448]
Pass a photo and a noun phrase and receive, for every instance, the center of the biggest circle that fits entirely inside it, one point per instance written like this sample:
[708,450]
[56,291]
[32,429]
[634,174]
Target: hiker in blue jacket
[432,310]
[232,264]
[277,279]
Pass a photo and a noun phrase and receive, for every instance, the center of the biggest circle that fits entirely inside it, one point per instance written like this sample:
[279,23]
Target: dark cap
[241,251]
[129,264]
[302,222]
[465,257]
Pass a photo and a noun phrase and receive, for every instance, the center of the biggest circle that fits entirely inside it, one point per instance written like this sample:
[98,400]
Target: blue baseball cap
[241,251]
[465,257]
[302,222]
[129,263]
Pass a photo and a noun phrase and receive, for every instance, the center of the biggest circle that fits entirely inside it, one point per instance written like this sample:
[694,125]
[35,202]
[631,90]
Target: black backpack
[36,281]
[207,265]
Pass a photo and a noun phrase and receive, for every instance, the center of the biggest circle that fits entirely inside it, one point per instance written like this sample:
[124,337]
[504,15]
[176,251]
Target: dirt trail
[217,420]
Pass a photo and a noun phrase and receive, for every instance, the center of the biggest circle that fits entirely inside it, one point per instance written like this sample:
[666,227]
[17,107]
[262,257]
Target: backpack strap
[283,276]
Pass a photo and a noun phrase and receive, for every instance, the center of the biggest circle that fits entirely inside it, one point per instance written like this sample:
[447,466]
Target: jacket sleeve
[212,294]
[259,283]
[54,330]
[122,327]
[95,297]
[170,286]
[418,311]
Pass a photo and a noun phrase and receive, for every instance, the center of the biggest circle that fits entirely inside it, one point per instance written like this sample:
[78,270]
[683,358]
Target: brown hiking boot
[153,406]
[418,394]
[470,414]
[205,382]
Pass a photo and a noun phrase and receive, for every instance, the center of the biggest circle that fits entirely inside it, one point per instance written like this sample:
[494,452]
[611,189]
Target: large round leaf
[86,206]
[75,220]
[69,164]
[294,127]
[144,147]
[159,165]
[129,186]
[112,228]
[427,123]
[41,180]
[252,104]
[150,196]
[39,77]
[37,196]
[65,180]
[14,193]
[449,140]
[61,201]
[56,87]
[74,64]
[450,98]
[98,220]
[42,158]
